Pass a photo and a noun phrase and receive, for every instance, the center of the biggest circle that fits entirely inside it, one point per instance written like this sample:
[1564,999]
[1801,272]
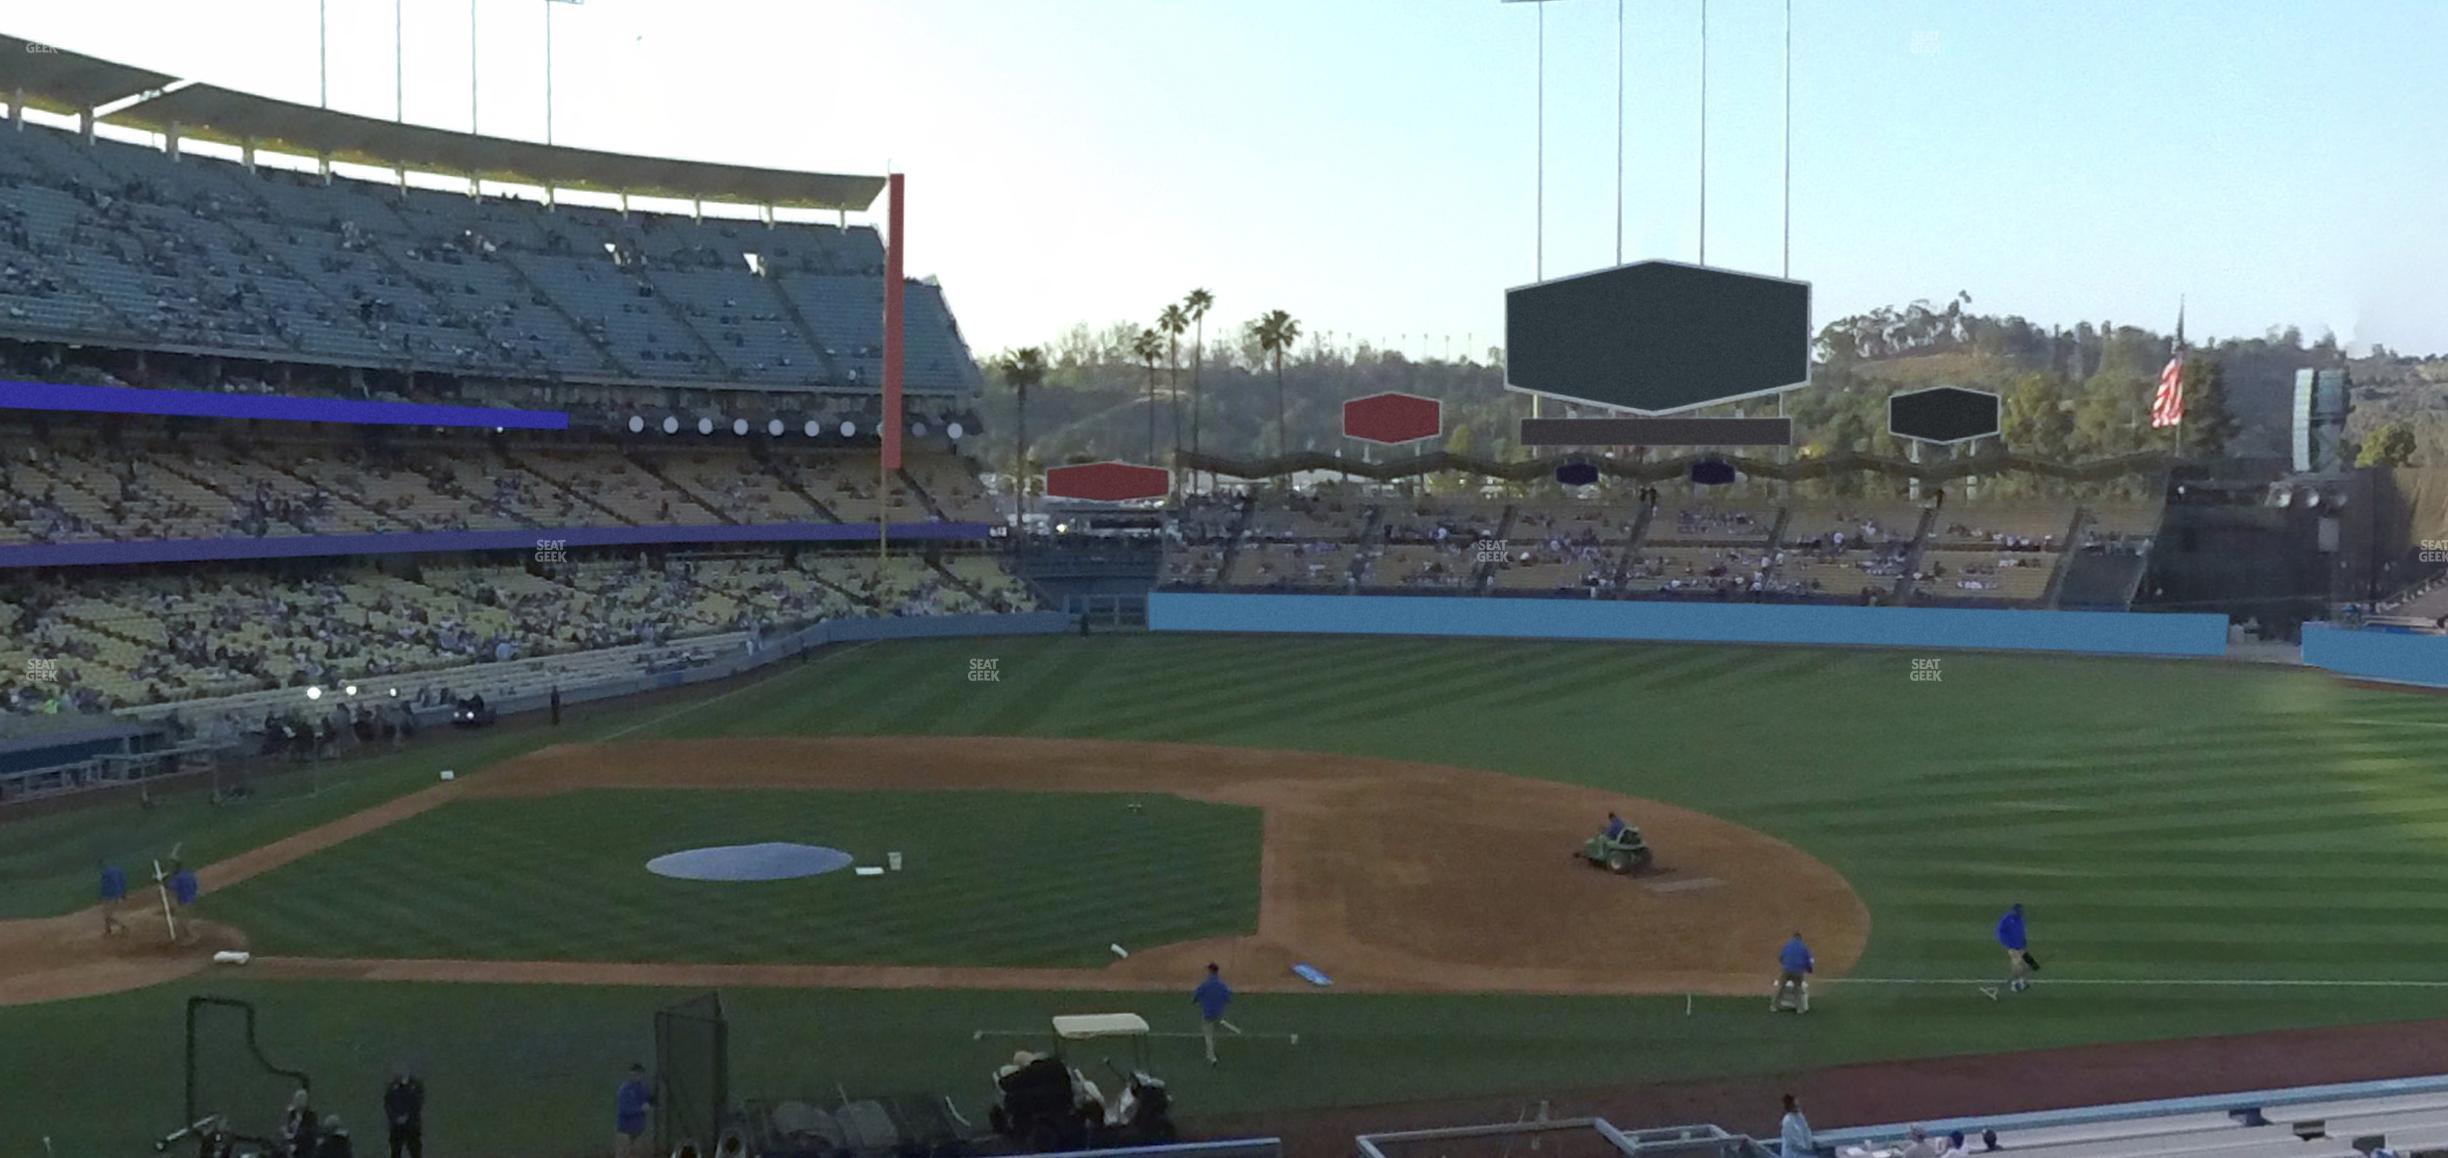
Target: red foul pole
[895,247]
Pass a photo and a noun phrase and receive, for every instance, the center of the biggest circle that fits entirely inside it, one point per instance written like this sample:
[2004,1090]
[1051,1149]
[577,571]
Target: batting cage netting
[228,1076]
[692,1073]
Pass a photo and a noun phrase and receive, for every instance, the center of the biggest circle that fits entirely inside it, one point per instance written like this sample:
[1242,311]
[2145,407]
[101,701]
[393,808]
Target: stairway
[791,483]
[1232,541]
[646,463]
[1903,593]
[1483,579]
[924,499]
[1372,535]
[2065,558]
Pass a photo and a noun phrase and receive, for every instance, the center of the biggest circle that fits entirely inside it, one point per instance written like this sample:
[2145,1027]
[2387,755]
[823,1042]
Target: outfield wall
[2099,632]
[2386,656]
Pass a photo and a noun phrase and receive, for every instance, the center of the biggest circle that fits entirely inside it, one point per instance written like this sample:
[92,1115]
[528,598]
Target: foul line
[779,666]
[2218,982]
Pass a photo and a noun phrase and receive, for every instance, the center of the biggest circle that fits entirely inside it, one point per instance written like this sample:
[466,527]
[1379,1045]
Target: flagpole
[2180,398]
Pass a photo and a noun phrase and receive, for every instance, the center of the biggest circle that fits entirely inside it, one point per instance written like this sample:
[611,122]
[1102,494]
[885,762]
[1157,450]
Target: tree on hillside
[2038,421]
[1196,304]
[1173,321]
[1274,334]
[1023,368]
[1147,348]
[2208,422]
[2390,444]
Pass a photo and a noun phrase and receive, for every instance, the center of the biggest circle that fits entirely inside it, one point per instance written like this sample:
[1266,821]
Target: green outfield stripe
[1327,672]
[1440,676]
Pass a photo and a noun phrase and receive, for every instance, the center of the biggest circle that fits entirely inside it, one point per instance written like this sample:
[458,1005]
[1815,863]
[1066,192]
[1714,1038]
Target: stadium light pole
[399,63]
[472,122]
[323,53]
[548,55]
[1704,132]
[1538,260]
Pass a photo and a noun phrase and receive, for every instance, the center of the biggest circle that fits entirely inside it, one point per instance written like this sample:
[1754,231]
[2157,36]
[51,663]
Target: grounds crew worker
[1793,968]
[2017,944]
[1212,995]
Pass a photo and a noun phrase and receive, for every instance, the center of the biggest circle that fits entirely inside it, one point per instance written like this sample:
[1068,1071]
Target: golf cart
[1624,852]
[1045,1104]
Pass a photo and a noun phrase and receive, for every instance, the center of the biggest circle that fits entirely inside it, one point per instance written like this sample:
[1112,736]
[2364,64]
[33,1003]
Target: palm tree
[1173,321]
[1148,347]
[1275,333]
[1196,304]
[1022,368]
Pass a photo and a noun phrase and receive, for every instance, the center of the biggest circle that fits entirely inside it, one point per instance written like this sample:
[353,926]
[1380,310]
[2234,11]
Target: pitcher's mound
[769,861]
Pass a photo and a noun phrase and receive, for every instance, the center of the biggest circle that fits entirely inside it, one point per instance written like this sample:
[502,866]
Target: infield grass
[994,878]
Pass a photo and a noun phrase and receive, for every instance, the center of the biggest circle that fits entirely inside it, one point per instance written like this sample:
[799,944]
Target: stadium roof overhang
[70,83]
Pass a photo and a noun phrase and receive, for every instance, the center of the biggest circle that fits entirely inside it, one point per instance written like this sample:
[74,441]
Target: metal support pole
[1704,132]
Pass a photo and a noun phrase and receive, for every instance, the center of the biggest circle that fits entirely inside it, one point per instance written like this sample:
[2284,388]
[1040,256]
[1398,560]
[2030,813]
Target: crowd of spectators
[102,642]
[147,484]
[200,253]
[1844,551]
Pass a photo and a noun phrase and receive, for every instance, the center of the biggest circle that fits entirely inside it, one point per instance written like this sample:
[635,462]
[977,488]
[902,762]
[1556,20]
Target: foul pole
[895,248]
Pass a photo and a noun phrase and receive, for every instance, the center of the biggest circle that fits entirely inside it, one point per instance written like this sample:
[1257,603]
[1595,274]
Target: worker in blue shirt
[1615,826]
[2011,937]
[1793,976]
[630,1104]
[114,894]
[1211,996]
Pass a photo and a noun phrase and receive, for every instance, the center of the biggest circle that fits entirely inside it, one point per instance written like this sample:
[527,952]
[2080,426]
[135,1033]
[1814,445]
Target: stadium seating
[1848,550]
[133,639]
[76,486]
[121,241]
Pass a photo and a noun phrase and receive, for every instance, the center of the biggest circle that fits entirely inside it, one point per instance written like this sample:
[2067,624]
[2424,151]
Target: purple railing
[272,407]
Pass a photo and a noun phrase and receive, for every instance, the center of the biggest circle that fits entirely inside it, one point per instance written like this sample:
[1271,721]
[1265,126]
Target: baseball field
[2203,849]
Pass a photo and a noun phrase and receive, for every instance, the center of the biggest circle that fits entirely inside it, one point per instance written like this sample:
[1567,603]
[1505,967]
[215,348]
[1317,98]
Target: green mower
[1624,852]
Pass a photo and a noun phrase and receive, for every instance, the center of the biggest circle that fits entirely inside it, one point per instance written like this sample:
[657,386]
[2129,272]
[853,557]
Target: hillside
[2077,393]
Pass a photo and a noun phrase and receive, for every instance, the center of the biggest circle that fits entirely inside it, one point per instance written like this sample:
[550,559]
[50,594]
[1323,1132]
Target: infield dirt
[1388,876]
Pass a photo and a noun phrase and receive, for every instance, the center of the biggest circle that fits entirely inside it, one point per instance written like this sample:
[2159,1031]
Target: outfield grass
[1004,878]
[2161,820]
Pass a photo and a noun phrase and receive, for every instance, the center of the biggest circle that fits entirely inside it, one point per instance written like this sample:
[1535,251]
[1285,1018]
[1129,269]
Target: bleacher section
[2001,554]
[122,244]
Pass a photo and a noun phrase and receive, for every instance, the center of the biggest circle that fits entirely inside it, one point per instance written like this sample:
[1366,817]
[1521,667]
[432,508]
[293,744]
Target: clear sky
[1369,165]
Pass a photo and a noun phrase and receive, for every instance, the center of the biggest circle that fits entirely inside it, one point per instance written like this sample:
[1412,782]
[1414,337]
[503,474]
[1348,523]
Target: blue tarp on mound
[771,861]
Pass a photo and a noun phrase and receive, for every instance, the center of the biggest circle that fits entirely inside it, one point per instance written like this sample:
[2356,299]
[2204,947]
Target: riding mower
[1624,852]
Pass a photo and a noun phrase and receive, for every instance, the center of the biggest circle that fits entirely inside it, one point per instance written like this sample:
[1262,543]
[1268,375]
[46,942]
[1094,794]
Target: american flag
[2167,406]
